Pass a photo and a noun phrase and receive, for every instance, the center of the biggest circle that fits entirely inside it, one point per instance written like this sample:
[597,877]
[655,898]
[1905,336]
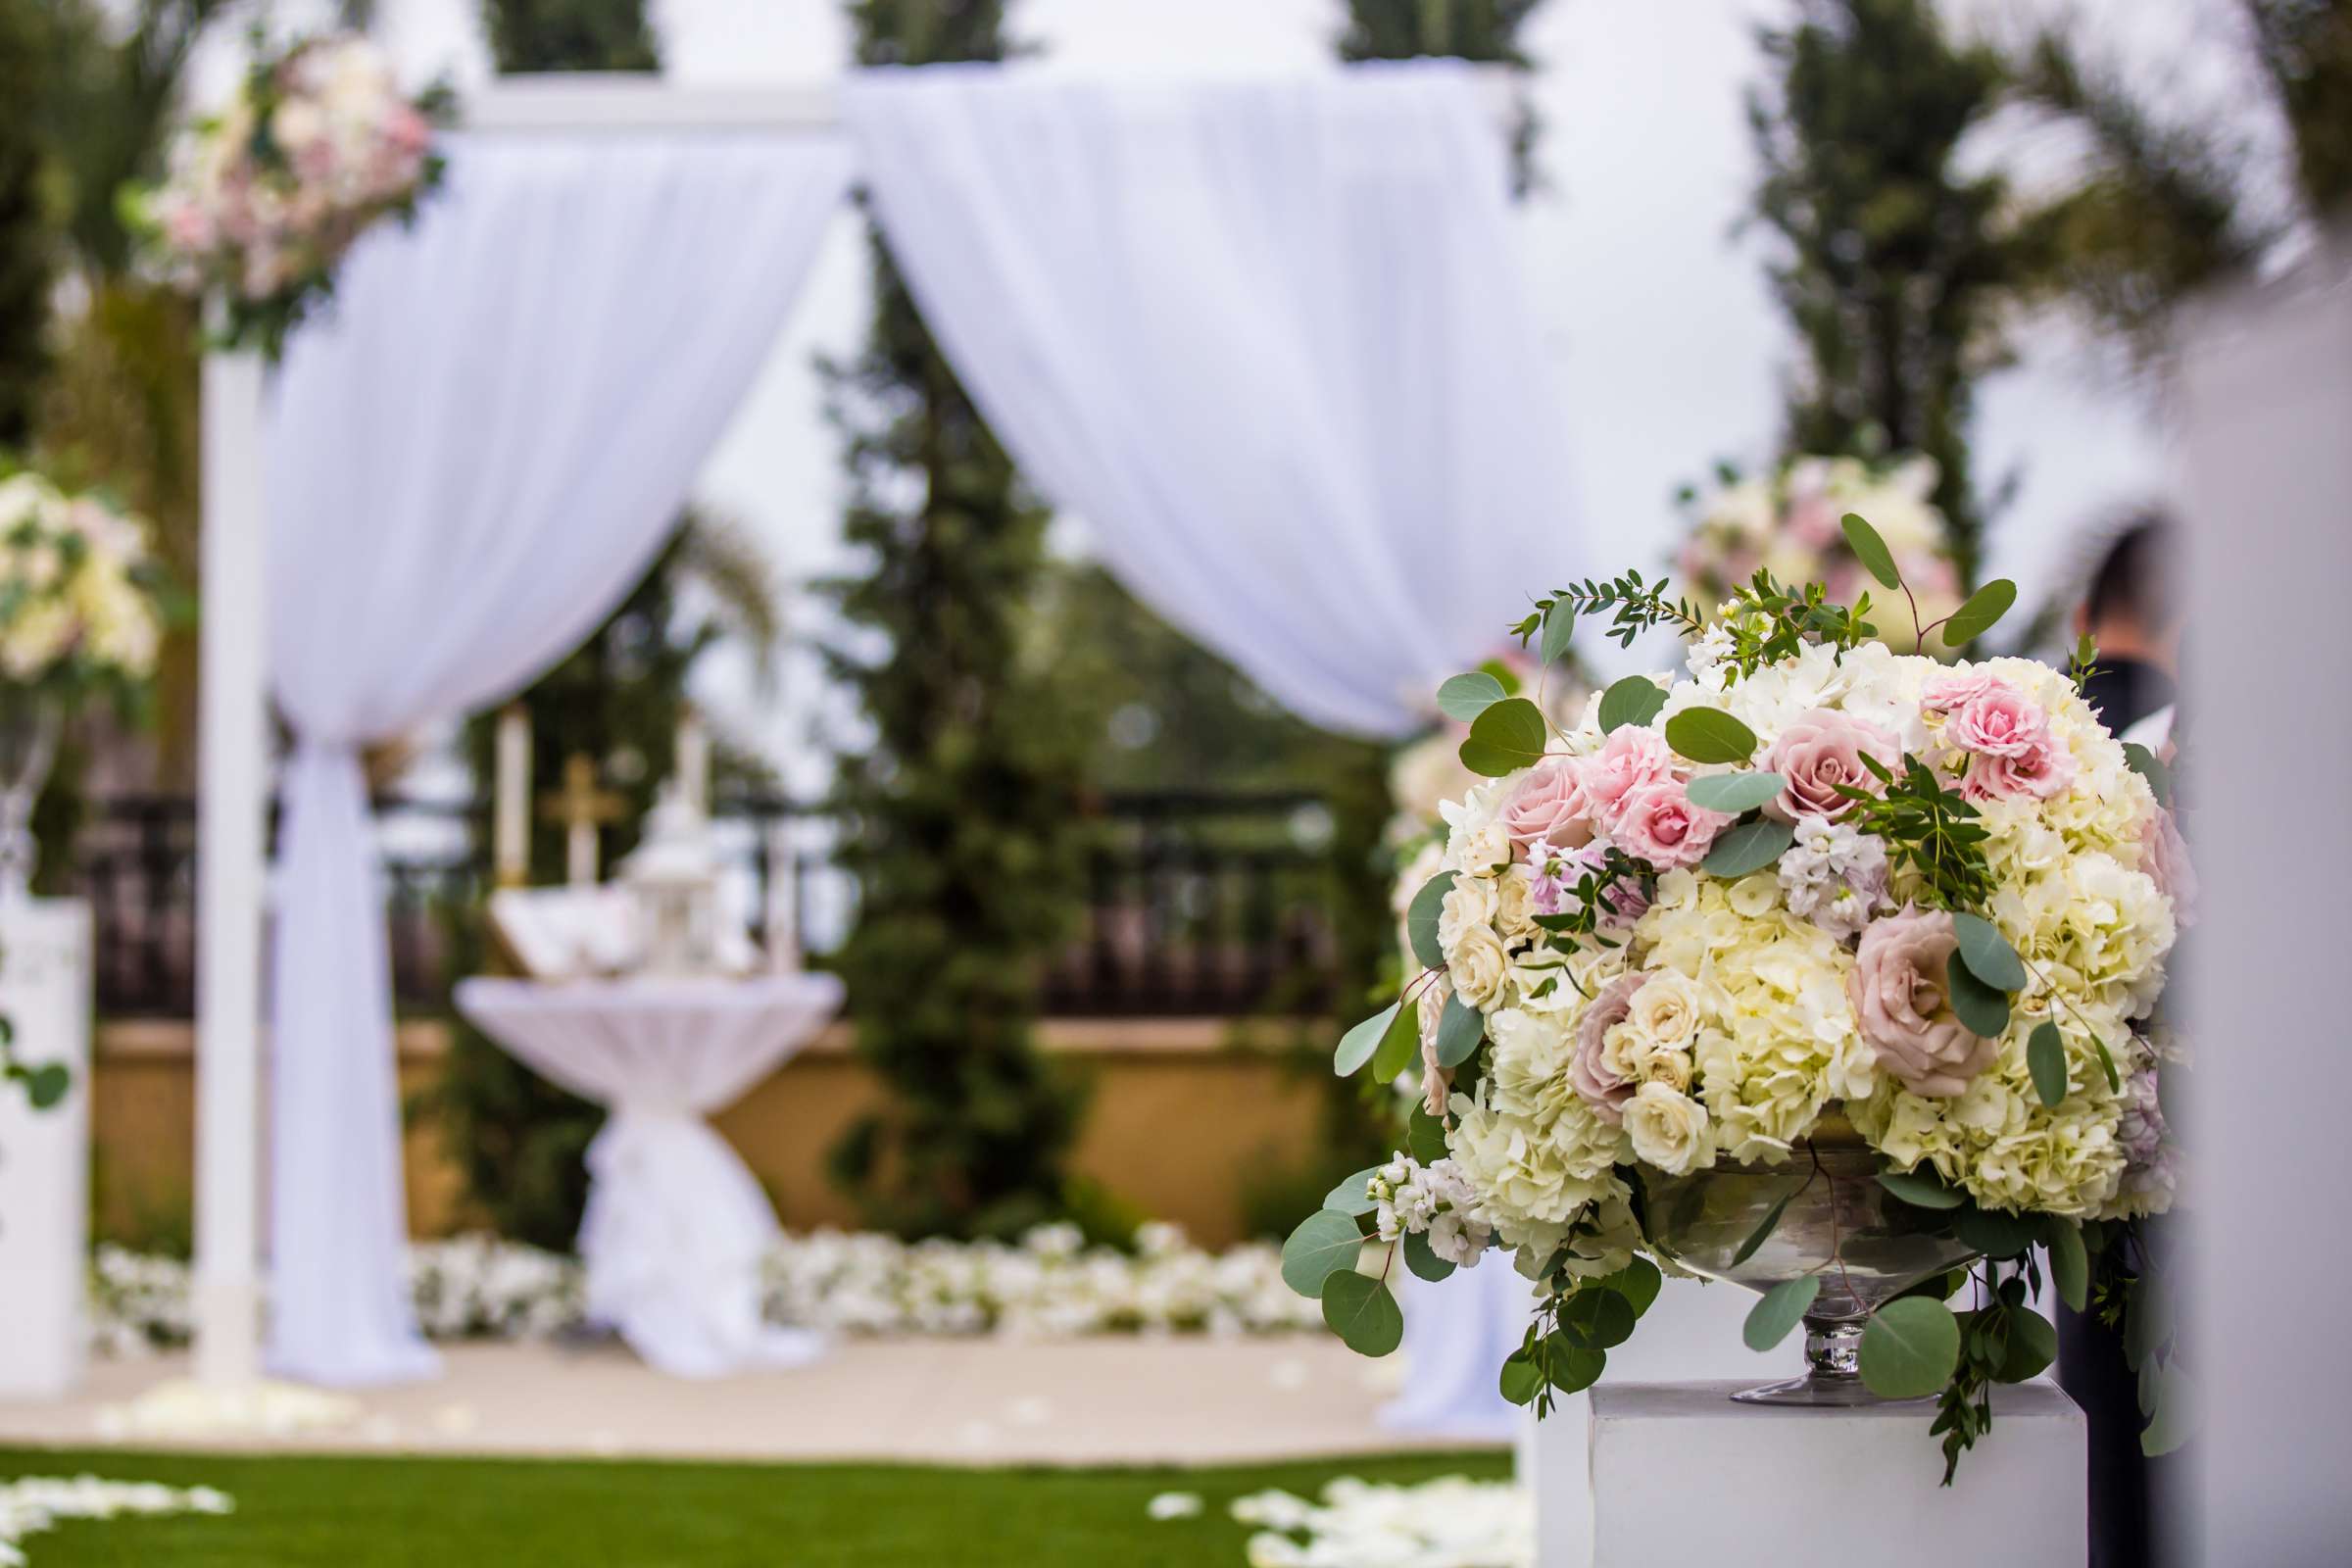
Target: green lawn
[360,1513]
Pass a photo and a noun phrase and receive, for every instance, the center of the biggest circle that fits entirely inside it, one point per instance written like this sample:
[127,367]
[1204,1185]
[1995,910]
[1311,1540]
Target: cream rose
[1479,967]
[1666,1009]
[1669,1129]
[1472,900]
[1900,991]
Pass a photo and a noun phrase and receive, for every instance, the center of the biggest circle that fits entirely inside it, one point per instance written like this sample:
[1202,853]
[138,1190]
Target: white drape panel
[470,459]
[1267,339]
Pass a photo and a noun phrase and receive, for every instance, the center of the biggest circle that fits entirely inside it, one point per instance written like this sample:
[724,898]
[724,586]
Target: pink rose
[1548,808]
[2164,856]
[1957,690]
[1998,721]
[1633,755]
[1900,991]
[1819,752]
[1594,1084]
[1657,824]
[2043,769]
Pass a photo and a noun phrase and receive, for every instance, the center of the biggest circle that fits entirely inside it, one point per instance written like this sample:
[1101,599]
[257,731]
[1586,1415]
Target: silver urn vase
[1864,1243]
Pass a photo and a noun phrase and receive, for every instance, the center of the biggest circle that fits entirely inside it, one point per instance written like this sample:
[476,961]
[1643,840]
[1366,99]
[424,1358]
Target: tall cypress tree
[1893,267]
[569,35]
[960,838]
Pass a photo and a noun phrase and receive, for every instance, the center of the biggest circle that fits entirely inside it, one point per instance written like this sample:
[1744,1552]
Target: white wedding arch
[1266,337]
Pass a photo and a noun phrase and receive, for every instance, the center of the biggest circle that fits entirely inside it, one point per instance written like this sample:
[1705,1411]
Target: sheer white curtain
[1266,339]
[470,459]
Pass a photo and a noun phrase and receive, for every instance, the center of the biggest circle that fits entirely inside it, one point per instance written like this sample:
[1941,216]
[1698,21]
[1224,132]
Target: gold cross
[581,807]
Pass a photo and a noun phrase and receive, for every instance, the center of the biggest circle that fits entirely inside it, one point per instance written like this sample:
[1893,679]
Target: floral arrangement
[1787,522]
[1810,890]
[260,200]
[81,598]
[1049,1285]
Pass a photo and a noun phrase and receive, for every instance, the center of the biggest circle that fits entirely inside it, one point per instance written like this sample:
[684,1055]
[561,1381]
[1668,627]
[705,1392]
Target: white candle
[694,763]
[511,804]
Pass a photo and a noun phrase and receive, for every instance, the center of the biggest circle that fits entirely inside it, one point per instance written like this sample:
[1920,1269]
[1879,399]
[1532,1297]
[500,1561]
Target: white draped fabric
[1457,1333]
[677,1226]
[1266,339]
[472,457]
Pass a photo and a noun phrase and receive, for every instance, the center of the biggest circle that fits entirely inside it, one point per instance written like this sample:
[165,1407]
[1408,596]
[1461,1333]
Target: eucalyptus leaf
[1710,735]
[1424,1135]
[1559,621]
[1920,1190]
[1639,1282]
[1984,1011]
[1735,793]
[1400,1048]
[1460,1027]
[1324,1243]
[2032,1345]
[47,1085]
[2045,1060]
[1421,920]
[1360,1310]
[2070,1263]
[1352,1196]
[1464,696]
[1360,1044]
[1597,1320]
[1522,1379]
[1982,612]
[1423,1260]
[1747,846]
[1871,551]
[1764,1227]
[1572,1369]
[2175,1414]
[1986,952]
[1504,738]
[1635,700]
[1779,1310]
[2148,766]
[1997,1233]
[1909,1348]
[2115,1083]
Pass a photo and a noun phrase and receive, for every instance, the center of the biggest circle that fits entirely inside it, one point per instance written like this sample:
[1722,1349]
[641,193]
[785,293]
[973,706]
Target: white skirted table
[676,1225]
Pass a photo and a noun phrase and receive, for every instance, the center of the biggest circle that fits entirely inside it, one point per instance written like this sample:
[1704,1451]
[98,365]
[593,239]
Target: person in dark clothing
[2133,612]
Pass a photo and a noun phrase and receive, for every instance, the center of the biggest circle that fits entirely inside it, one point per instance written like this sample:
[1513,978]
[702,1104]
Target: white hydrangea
[1436,1201]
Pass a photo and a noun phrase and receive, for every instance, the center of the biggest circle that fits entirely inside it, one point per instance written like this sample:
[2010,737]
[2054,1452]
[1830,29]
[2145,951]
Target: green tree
[570,35]
[1486,32]
[1893,263]
[962,808]
[28,238]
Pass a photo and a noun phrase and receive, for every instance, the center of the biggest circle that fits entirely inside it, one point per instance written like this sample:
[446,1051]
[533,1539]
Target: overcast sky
[1667,348]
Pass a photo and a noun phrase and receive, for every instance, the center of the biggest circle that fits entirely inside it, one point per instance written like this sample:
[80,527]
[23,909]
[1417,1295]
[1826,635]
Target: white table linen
[676,1224]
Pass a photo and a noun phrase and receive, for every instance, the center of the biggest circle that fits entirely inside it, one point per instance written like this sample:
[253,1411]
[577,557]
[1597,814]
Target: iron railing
[1194,903]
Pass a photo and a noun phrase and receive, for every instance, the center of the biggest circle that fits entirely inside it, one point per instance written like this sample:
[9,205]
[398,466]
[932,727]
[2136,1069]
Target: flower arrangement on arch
[1815,929]
[81,597]
[264,199]
[1787,522]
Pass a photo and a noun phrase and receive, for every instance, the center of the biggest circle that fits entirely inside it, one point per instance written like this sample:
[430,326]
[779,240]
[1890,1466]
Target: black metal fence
[1194,903]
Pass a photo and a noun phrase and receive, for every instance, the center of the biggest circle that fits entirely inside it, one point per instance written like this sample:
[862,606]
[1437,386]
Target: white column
[231,865]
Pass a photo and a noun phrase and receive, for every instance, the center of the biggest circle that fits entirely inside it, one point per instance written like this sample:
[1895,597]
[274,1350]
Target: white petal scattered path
[32,1504]
[1450,1523]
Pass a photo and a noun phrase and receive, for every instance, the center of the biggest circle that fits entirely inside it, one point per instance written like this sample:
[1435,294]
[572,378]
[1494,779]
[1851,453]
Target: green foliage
[569,35]
[1921,1189]
[1635,700]
[1769,621]
[1325,1243]
[2305,47]
[1421,920]
[1929,828]
[1506,737]
[1980,613]
[1461,1028]
[1871,549]
[28,239]
[1707,735]
[2045,1060]
[1632,605]
[1894,265]
[1910,1347]
[1779,1310]
[961,833]
[1748,847]
[1735,793]
[1463,697]
[1360,1310]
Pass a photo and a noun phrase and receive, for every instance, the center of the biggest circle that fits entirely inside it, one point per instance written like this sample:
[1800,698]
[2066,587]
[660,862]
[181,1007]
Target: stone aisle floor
[1092,1402]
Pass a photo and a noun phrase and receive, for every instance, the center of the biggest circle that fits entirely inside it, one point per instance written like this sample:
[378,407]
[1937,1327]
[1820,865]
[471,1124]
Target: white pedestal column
[1682,1475]
[1690,1330]
[45,1154]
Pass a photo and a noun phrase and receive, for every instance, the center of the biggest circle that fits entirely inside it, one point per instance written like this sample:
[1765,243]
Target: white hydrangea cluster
[1436,1201]
[1050,1285]
[1733,1012]
[73,576]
